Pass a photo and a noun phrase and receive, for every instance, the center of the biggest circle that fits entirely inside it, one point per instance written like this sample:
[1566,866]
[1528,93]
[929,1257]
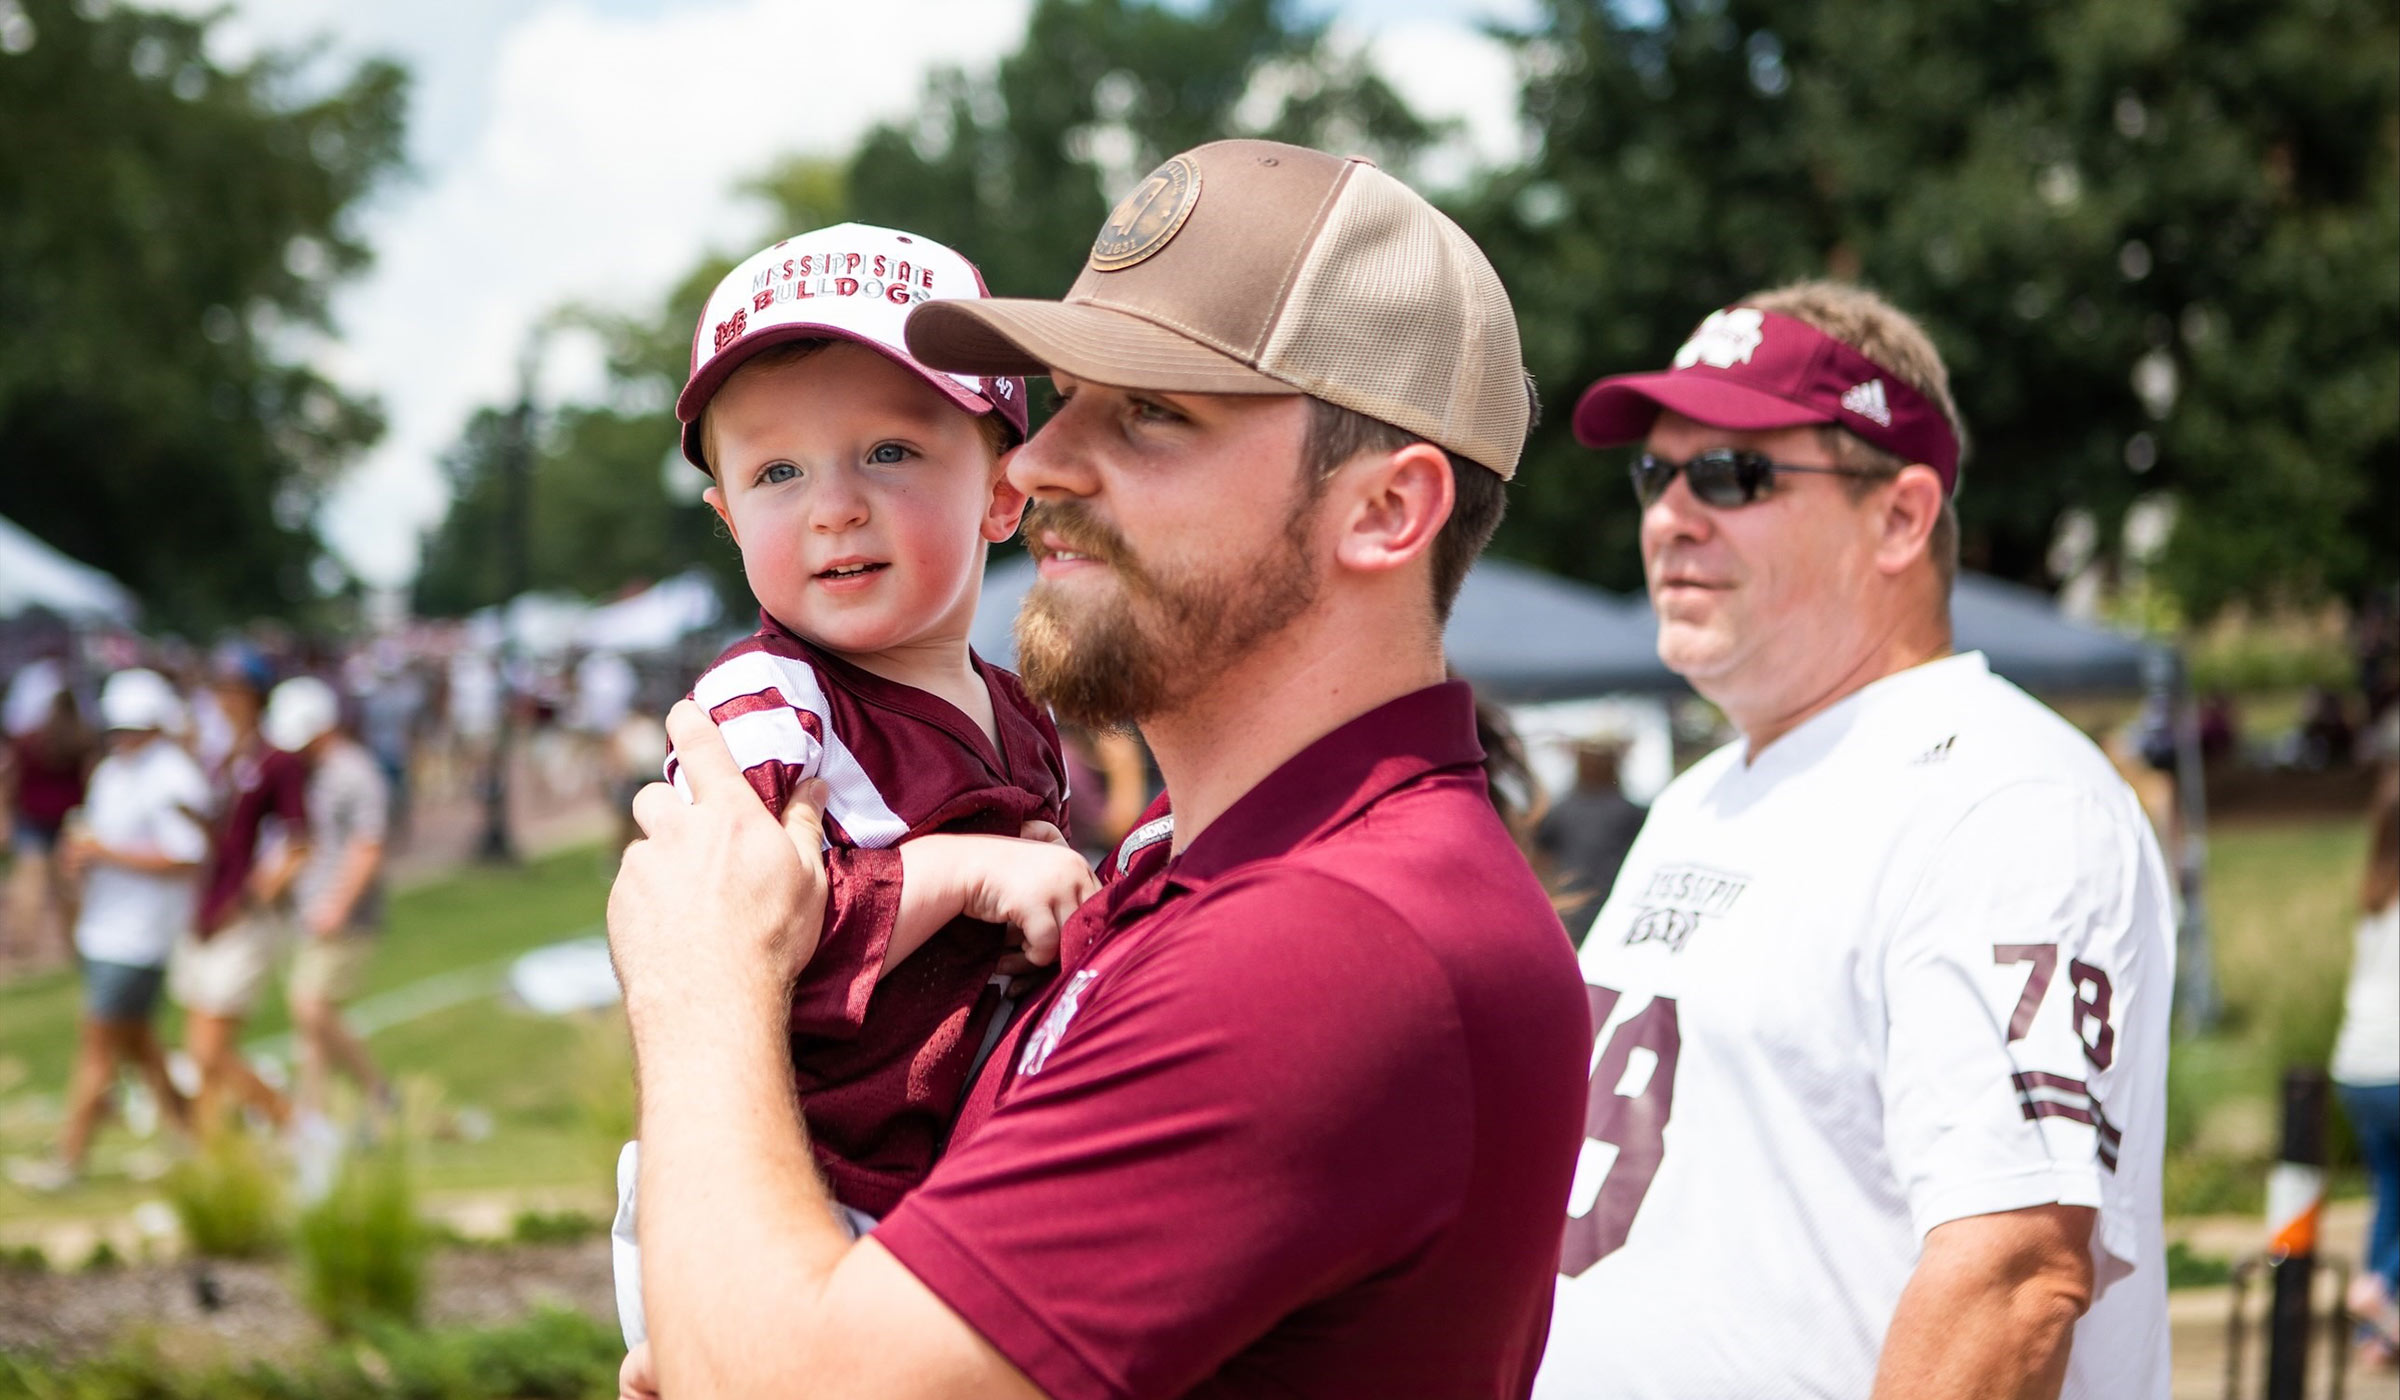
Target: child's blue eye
[778,473]
[886,453]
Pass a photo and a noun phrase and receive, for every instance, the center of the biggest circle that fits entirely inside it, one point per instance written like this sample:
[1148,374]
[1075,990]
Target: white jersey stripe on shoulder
[747,674]
[854,800]
[770,736]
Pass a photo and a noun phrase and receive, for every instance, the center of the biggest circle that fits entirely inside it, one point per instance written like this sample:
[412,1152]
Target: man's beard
[1144,650]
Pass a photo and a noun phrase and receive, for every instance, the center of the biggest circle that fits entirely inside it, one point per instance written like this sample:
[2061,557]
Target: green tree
[2158,244]
[166,223]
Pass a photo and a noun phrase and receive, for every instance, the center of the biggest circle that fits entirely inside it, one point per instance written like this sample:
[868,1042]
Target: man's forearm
[1990,1311]
[737,1230]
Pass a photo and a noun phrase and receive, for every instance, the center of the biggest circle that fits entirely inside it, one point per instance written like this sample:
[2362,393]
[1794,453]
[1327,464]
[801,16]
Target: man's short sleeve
[1264,1103]
[2015,989]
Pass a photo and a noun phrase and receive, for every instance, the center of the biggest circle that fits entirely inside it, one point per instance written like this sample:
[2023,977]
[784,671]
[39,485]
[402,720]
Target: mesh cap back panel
[1396,314]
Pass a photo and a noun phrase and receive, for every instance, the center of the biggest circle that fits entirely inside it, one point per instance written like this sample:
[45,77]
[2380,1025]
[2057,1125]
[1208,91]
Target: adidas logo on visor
[1867,401]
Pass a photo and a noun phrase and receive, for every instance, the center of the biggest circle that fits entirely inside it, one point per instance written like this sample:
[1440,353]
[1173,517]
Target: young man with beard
[1299,1113]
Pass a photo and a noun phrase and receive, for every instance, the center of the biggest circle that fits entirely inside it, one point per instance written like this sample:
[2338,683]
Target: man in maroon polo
[1299,1113]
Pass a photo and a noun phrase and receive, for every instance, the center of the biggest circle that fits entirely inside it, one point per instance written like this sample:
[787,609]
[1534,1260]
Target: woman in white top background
[2366,1068]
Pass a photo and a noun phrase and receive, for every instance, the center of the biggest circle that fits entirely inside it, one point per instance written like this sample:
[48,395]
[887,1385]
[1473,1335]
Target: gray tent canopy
[1522,635]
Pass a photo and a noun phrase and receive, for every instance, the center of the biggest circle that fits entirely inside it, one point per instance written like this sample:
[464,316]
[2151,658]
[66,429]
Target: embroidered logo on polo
[1053,1028]
[1727,338]
[1868,402]
[1676,899]
[1144,221]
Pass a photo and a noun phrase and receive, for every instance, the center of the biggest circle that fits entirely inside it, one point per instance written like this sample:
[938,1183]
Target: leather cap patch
[1148,217]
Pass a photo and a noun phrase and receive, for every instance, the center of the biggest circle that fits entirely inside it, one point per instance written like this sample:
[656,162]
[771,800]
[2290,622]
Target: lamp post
[516,544]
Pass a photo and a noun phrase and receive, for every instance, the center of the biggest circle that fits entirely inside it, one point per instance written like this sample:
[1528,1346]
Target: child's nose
[838,503]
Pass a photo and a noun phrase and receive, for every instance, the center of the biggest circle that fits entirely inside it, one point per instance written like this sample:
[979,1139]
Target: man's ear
[715,496]
[1007,506]
[1912,504]
[1401,500]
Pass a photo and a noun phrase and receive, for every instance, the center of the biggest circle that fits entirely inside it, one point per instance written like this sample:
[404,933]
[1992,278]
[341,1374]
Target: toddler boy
[862,488]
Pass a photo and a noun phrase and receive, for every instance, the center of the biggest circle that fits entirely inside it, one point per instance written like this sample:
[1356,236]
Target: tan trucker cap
[1253,267]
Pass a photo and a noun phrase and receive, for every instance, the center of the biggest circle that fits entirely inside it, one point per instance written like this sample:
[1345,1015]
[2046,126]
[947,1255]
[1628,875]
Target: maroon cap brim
[712,376]
[1621,409]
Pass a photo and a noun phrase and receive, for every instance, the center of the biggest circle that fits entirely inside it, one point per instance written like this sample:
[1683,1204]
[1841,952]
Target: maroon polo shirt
[1298,1116]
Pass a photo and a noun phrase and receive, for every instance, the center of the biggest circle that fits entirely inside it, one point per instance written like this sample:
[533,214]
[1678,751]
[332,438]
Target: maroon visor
[1748,370]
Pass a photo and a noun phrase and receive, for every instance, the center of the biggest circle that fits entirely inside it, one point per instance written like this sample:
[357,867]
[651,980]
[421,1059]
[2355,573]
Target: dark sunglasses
[1723,478]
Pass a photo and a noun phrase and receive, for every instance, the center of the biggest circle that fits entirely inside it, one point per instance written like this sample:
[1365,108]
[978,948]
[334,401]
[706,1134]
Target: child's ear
[715,496]
[1006,508]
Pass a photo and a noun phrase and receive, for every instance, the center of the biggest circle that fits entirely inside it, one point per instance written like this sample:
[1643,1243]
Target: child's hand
[1031,885]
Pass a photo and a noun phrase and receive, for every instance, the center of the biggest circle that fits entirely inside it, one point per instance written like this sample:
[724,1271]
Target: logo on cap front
[1727,338]
[1148,217]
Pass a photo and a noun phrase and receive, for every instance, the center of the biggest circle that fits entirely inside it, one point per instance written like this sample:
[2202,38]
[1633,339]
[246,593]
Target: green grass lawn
[556,1090]
[558,1098]
[2284,904]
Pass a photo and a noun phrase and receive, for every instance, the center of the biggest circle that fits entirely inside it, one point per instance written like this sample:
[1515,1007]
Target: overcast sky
[586,150]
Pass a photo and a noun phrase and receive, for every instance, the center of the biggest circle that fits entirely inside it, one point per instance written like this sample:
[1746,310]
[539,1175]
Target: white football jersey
[1911,965]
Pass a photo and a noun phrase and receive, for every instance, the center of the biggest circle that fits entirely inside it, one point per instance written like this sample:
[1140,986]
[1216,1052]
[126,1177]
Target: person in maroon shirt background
[43,770]
[1299,1114]
[222,963]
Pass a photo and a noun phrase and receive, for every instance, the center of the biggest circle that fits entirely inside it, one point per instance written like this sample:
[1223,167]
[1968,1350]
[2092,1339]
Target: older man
[1299,1113]
[1881,995]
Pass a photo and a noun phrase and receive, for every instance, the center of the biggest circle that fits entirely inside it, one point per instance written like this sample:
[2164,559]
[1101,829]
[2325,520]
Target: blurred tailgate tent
[1518,633]
[1524,635]
[654,619]
[33,575]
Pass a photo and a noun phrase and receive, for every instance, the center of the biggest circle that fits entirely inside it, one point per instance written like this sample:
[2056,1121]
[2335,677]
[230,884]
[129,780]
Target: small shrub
[555,1227]
[362,1248]
[228,1197]
[24,1259]
[103,1259]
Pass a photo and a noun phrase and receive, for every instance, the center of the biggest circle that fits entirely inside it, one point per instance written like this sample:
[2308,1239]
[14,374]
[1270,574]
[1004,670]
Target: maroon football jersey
[881,1067]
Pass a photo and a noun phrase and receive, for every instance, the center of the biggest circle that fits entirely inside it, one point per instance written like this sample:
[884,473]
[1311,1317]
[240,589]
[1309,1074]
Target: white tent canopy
[33,575]
[654,619]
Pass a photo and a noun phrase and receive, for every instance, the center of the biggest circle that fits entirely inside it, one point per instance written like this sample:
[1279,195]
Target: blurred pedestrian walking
[338,891]
[2366,1072]
[223,961]
[43,770]
[138,852]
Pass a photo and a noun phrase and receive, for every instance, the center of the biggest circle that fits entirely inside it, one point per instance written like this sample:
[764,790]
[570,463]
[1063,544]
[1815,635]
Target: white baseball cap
[299,712]
[139,699]
[847,282]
